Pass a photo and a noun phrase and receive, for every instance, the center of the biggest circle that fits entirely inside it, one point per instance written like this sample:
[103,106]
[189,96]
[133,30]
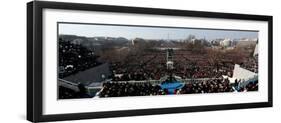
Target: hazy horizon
[131,32]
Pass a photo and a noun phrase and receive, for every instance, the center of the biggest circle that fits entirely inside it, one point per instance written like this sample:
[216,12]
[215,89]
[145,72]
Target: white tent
[256,52]
[245,76]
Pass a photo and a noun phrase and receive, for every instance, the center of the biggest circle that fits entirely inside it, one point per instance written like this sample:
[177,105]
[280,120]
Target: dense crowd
[251,64]
[208,86]
[115,89]
[217,86]
[148,64]
[74,58]
[120,89]
[152,65]
[252,86]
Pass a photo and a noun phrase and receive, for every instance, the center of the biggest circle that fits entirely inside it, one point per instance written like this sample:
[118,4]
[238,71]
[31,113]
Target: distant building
[249,39]
[225,43]
[246,43]
[196,41]
[216,42]
[77,41]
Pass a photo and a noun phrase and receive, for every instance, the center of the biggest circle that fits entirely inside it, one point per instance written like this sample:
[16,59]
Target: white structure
[243,75]
[256,52]
[249,39]
[169,63]
[225,43]
[133,41]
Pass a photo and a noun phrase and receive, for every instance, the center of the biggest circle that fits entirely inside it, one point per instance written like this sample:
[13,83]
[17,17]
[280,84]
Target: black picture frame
[35,69]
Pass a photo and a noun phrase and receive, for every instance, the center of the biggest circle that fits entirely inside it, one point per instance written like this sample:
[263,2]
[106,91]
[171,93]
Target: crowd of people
[121,89]
[152,65]
[143,67]
[207,86]
[74,58]
[251,64]
[117,89]
[147,64]
[252,86]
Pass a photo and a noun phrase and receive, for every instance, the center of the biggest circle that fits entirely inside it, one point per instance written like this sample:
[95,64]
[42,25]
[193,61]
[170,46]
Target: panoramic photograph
[110,60]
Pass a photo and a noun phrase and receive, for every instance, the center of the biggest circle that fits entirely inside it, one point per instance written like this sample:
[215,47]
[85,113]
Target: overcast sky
[130,32]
